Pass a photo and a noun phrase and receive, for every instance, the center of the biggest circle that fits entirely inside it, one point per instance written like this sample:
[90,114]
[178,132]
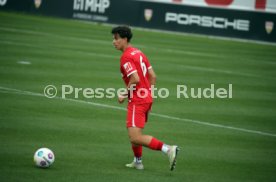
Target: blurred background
[246,19]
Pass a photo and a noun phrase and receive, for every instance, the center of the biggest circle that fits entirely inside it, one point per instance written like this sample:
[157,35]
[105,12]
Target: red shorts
[137,114]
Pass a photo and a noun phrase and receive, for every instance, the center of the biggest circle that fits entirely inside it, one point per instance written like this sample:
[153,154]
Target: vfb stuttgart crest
[37,3]
[148,14]
[269,26]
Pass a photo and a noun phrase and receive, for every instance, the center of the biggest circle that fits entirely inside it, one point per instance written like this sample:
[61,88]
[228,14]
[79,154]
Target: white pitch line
[215,125]
[23,92]
[24,62]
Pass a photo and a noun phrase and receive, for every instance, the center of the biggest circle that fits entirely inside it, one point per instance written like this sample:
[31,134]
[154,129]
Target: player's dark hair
[123,31]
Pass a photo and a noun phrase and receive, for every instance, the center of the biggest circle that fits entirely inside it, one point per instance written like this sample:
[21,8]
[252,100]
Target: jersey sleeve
[128,66]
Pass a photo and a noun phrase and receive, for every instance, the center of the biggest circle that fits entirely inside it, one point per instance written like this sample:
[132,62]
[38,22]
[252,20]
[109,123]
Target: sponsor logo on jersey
[127,67]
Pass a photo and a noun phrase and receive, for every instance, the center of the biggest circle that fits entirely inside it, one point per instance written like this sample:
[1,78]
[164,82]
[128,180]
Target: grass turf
[90,142]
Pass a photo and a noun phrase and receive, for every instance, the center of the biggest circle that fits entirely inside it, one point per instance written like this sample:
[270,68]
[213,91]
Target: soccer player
[138,76]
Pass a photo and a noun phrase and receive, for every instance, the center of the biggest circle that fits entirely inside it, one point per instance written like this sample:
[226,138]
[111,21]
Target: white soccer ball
[44,157]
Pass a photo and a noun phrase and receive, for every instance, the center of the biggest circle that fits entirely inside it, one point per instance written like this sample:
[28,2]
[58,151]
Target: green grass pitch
[220,139]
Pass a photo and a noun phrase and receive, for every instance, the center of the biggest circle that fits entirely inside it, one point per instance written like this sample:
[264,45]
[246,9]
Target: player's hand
[122,97]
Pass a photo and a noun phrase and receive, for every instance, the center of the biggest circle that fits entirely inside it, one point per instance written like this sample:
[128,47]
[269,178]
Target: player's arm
[133,80]
[152,76]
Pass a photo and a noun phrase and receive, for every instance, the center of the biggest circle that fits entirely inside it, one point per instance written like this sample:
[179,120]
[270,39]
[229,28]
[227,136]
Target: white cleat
[135,165]
[172,154]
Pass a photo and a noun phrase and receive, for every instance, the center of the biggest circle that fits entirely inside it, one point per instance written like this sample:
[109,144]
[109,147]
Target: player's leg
[137,161]
[136,137]
[136,118]
[137,151]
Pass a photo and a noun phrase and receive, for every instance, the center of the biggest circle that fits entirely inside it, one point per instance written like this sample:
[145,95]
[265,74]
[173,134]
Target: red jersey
[133,60]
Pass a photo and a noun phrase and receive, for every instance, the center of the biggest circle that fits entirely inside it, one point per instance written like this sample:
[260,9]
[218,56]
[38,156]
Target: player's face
[118,42]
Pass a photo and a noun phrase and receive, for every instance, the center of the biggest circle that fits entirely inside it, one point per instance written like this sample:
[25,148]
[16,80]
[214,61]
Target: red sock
[155,144]
[137,150]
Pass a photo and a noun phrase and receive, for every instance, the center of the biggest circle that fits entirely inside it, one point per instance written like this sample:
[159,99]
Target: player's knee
[134,139]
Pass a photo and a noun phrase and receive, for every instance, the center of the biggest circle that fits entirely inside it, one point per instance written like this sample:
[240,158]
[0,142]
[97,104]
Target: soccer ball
[44,157]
